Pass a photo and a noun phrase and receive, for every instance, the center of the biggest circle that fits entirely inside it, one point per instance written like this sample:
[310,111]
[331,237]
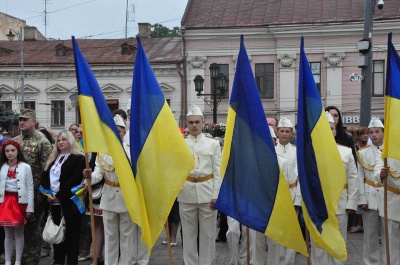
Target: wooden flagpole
[168,242]
[386,215]
[89,183]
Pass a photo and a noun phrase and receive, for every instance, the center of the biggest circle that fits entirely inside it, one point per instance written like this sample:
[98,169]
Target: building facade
[272,29]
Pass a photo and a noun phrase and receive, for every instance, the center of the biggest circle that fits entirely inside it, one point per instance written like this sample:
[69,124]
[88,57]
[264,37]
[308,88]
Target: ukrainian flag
[100,135]
[392,103]
[254,191]
[321,171]
[161,159]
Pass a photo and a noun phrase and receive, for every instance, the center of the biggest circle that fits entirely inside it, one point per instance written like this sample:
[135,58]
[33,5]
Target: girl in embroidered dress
[16,198]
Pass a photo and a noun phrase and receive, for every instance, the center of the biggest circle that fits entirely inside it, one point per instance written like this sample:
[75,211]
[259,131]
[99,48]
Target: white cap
[119,121]
[271,131]
[194,111]
[375,122]
[285,122]
[329,116]
[128,106]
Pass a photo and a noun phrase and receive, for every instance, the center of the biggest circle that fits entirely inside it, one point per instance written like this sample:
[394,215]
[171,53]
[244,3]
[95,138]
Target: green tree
[7,118]
[160,31]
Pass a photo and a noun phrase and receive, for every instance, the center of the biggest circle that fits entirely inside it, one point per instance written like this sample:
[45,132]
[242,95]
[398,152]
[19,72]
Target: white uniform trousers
[140,254]
[238,252]
[290,256]
[118,235]
[192,216]
[276,252]
[372,228]
[320,256]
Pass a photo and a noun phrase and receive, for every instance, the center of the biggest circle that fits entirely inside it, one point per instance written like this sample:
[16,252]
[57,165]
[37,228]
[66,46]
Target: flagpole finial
[390,37]
[241,38]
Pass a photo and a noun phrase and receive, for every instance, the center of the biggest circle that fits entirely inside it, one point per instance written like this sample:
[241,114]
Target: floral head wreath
[14,143]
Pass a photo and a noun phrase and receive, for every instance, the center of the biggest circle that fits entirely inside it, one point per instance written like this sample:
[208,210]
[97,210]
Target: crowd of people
[38,157]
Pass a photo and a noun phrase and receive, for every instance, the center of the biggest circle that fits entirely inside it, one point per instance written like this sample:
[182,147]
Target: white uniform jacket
[348,199]
[393,180]
[111,199]
[368,194]
[207,156]
[24,184]
[289,153]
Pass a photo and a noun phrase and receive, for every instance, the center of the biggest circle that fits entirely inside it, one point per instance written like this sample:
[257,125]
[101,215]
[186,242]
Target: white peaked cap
[128,106]
[285,122]
[271,131]
[375,122]
[329,116]
[194,111]
[119,121]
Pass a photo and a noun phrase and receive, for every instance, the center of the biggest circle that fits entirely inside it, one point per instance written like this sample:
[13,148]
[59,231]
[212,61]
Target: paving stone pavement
[159,255]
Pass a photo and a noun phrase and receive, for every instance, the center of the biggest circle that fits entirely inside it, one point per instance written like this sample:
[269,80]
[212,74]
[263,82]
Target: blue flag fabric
[254,191]
[392,104]
[321,171]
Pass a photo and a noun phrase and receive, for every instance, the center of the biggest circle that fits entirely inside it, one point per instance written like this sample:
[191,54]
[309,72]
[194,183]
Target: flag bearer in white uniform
[199,194]
[368,198]
[259,242]
[347,202]
[122,240]
[276,252]
[392,173]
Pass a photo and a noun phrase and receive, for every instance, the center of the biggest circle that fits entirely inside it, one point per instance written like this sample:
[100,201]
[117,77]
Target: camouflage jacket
[36,150]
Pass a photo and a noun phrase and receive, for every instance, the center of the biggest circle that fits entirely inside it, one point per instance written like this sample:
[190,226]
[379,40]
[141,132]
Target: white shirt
[55,172]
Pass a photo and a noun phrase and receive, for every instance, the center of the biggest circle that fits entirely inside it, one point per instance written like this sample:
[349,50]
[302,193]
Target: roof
[244,13]
[96,51]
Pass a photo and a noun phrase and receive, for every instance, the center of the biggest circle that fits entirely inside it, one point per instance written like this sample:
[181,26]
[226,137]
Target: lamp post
[219,88]
[11,34]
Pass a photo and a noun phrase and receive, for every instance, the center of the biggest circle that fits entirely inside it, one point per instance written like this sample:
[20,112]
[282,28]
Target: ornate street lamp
[219,88]
[11,35]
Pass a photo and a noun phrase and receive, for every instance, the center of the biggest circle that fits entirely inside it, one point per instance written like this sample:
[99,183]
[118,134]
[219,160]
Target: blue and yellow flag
[161,159]
[100,135]
[254,191]
[392,104]
[321,171]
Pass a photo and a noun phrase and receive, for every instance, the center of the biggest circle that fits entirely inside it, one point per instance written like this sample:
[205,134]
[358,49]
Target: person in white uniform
[368,198]
[347,202]
[288,151]
[122,237]
[259,242]
[392,173]
[199,194]
[237,242]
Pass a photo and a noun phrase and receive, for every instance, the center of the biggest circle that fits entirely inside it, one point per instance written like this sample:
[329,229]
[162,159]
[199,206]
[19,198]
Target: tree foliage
[160,31]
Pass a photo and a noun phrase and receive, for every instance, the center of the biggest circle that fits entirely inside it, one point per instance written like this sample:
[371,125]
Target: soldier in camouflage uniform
[36,149]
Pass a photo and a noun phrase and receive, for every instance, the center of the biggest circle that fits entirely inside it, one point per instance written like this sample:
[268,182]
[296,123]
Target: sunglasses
[74,131]
[79,132]
[186,132]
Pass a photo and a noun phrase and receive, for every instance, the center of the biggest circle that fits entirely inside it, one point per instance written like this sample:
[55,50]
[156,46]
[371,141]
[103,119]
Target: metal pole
[21,47]
[366,72]
[215,104]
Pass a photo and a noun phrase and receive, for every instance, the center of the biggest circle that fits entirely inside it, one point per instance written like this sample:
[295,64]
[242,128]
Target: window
[316,71]
[112,104]
[265,79]
[223,69]
[378,78]
[7,106]
[30,105]
[57,113]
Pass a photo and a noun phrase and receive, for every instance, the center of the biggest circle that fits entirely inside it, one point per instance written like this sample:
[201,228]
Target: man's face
[122,132]
[272,122]
[285,134]
[335,115]
[195,124]
[376,135]
[27,125]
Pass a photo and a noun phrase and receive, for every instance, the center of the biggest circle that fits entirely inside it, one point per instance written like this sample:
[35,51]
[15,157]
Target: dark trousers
[70,247]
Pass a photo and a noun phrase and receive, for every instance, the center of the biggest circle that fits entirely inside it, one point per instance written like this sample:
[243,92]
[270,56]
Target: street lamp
[219,88]
[11,34]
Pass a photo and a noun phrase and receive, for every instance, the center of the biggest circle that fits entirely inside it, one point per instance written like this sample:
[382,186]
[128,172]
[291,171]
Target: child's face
[11,152]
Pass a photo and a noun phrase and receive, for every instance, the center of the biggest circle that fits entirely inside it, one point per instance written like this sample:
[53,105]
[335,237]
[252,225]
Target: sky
[96,19]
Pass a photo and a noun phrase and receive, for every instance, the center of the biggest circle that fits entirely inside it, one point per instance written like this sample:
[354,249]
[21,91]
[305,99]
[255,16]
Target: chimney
[30,33]
[144,30]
